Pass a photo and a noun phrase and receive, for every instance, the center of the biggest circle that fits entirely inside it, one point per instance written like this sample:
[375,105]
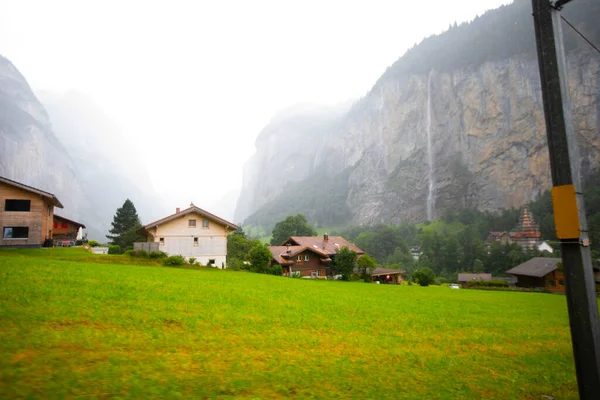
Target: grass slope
[74,328]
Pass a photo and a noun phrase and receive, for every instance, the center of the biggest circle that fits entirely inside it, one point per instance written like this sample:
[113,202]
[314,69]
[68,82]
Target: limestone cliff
[451,126]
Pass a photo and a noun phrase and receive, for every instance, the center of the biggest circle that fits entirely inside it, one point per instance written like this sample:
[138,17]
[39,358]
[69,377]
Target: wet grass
[75,328]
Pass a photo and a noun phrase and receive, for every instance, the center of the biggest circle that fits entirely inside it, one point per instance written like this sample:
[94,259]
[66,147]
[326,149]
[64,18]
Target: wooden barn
[27,214]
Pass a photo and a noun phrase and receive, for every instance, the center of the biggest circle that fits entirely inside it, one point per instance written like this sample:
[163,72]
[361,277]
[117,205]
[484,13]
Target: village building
[311,256]
[27,214]
[191,233]
[539,273]
[526,234]
[388,276]
[66,229]
[464,279]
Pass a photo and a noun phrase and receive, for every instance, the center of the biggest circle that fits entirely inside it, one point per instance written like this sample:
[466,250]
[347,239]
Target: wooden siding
[553,281]
[63,228]
[39,219]
[306,268]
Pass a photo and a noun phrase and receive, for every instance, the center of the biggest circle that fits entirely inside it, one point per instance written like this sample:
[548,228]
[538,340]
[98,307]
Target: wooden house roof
[69,220]
[49,196]
[474,277]
[189,210]
[536,267]
[328,244]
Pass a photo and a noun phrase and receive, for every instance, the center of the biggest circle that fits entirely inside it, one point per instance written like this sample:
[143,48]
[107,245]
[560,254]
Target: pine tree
[125,225]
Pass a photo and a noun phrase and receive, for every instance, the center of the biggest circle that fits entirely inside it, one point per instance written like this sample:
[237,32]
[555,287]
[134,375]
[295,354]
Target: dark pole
[567,199]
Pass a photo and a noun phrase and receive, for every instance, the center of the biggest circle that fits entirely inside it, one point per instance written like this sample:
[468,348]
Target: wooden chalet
[388,275]
[27,214]
[65,229]
[310,255]
[540,273]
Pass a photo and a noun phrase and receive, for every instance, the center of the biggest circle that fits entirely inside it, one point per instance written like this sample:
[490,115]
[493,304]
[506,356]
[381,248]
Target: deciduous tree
[291,226]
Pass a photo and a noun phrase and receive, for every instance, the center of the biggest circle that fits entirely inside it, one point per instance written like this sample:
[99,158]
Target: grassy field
[72,327]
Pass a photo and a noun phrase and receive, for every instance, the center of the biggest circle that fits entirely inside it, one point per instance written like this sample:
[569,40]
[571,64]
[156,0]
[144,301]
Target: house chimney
[325,237]
[177,210]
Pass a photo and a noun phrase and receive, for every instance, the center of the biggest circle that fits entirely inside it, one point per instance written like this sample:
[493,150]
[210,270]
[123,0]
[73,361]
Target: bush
[93,243]
[129,253]
[158,254]
[276,270]
[142,254]
[173,260]
[490,283]
[192,260]
[424,276]
[296,274]
[114,249]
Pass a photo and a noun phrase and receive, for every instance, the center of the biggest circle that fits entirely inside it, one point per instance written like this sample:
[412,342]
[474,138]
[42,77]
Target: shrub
[275,270]
[114,249]
[173,260]
[234,264]
[129,253]
[296,274]
[158,254]
[142,254]
[490,283]
[424,276]
[192,260]
[93,243]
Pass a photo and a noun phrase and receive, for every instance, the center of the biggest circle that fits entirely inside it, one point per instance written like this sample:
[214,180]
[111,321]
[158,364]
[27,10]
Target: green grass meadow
[75,325]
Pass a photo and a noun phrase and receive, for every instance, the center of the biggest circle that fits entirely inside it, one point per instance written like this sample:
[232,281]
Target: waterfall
[430,159]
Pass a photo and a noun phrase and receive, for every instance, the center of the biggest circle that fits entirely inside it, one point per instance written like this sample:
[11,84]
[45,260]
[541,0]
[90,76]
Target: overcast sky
[197,80]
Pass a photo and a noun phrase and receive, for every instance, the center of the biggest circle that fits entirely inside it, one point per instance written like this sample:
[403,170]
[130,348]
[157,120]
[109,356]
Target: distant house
[65,229]
[310,255]
[388,275]
[539,272]
[27,214]
[192,232]
[463,279]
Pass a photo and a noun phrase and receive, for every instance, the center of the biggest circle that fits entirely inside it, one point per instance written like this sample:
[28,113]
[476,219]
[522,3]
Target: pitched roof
[474,277]
[329,245]
[69,220]
[52,198]
[536,267]
[281,255]
[189,210]
[386,271]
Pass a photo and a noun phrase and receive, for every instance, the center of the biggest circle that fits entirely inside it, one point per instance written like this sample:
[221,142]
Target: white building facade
[192,233]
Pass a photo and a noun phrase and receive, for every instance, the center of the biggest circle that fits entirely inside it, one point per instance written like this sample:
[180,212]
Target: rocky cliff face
[31,153]
[474,137]
[285,154]
[86,173]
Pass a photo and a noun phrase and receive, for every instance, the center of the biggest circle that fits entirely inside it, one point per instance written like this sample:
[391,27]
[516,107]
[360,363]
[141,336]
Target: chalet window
[15,232]
[161,241]
[64,225]
[299,258]
[55,225]
[49,210]
[192,223]
[561,282]
[205,223]
[195,241]
[17,205]
[306,257]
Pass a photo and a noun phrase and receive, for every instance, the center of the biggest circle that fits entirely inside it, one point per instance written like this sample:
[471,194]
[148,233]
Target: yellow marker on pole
[566,213]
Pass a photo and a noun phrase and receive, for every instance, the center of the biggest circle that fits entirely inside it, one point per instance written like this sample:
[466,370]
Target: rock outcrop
[440,131]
